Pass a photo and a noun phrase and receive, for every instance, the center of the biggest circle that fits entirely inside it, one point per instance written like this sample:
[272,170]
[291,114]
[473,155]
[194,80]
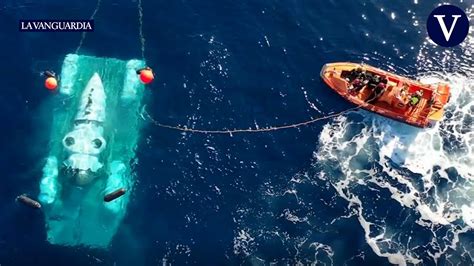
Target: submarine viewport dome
[97,143]
[68,141]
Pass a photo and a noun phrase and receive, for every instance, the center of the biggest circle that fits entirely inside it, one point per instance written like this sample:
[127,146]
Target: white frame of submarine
[94,134]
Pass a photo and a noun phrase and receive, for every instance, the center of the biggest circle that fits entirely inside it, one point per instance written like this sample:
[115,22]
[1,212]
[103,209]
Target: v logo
[446,33]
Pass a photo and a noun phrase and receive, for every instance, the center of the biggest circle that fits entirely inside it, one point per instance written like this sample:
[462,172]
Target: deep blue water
[219,64]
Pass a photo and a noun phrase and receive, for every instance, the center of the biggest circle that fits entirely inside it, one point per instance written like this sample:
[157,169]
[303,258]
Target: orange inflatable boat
[388,94]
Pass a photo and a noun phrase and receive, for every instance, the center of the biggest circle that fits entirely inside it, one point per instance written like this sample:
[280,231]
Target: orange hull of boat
[391,104]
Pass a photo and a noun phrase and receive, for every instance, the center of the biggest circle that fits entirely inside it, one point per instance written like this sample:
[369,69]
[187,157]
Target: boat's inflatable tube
[94,134]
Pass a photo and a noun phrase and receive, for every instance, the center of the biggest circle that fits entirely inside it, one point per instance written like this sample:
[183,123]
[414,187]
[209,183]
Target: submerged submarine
[94,134]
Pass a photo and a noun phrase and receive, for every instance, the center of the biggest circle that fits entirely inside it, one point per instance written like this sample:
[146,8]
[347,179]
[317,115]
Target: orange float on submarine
[51,81]
[146,75]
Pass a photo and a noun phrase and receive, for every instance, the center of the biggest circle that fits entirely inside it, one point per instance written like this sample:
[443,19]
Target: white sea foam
[322,249]
[215,62]
[243,242]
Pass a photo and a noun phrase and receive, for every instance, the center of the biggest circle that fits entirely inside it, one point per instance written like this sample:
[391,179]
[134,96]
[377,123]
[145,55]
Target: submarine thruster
[94,135]
[114,195]
[28,201]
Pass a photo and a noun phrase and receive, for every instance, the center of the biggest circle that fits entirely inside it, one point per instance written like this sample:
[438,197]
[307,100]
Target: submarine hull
[94,135]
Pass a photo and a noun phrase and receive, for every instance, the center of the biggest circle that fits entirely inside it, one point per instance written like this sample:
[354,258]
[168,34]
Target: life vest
[414,99]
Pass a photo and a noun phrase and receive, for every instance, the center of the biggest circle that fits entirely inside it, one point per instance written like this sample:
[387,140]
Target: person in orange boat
[403,93]
[373,81]
[415,98]
[356,86]
[377,92]
[354,74]
[402,97]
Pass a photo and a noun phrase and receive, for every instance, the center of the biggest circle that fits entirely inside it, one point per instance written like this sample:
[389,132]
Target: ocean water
[357,189]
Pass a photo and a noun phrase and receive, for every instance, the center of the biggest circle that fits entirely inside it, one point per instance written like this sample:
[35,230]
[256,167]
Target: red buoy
[51,83]
[146,75]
